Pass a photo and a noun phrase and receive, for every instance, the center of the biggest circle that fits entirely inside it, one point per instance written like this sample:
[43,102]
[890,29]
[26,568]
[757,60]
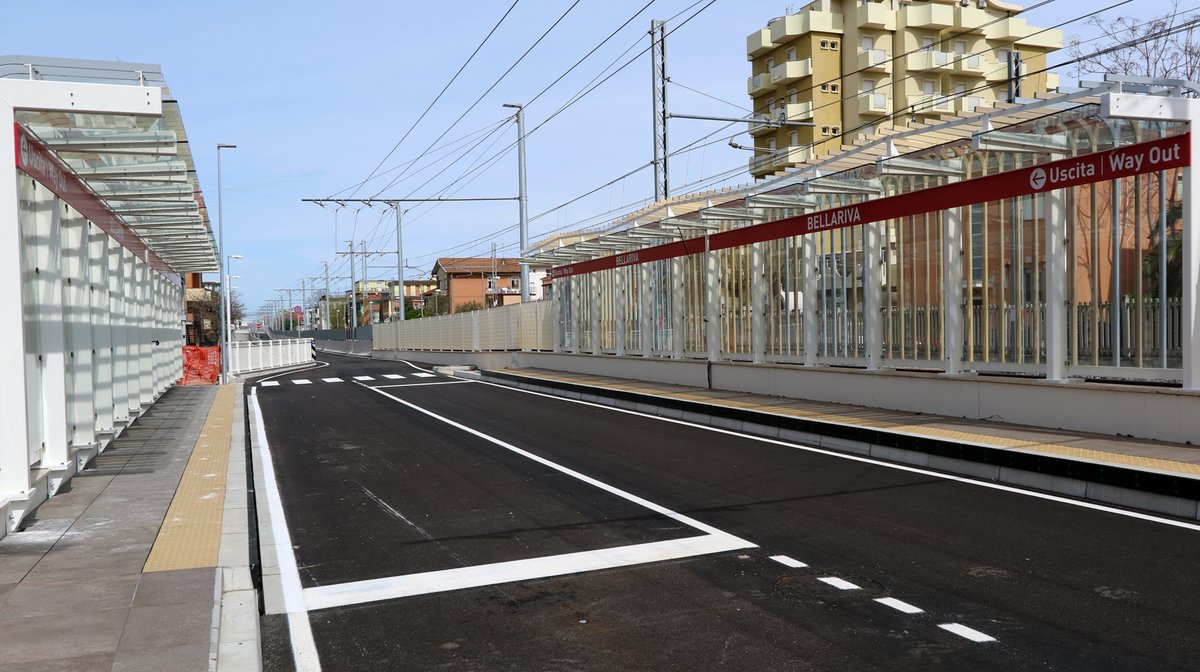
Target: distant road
[448,524]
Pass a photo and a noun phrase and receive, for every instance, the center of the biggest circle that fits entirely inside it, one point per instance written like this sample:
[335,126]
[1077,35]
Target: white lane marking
[423,375]
[301,381]
[788,562]
[393,376]
[964,631]
[269,383]
[899,605]
[868,460]
[333,380]
[691,522]
[373,590]
[840,584]
[316,364]
[448,382]
[304,647]
[363,378]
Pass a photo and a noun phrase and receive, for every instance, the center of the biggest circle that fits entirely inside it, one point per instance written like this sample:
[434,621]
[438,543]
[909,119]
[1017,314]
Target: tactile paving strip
[190,536]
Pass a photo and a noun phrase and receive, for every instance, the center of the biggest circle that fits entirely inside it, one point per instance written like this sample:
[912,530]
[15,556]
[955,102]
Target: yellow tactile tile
[190,536]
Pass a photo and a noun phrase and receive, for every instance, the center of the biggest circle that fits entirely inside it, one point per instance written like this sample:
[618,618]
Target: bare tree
[1166,46]
[237,310]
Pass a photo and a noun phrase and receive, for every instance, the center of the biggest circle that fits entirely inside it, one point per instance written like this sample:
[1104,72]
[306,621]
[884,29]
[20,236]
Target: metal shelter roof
[140,165]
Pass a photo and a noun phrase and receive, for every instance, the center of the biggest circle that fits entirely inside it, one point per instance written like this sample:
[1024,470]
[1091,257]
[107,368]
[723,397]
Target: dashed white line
[269,383]
[788,562]
[333,380]
[393,376]
[302,381]
[364,378]
[899,605]
[964,631]
[840,584]
[424,375]
[447,382]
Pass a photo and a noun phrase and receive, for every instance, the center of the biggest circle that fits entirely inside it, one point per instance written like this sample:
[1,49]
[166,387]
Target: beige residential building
[851,67]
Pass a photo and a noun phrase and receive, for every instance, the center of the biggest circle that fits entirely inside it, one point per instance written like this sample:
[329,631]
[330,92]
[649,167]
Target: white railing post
[646,310]
[811,322]
[758,302]
[952,287]
[678,306]
[1057,326]
[619,307]
[712,303]
[873,274]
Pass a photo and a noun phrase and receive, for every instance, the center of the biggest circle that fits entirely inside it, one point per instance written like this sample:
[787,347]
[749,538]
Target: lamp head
[221,145]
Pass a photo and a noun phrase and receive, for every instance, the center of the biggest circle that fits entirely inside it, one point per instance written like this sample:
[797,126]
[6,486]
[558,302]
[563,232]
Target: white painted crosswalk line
[302,381]
[393,376]
[363,378]
[840,584]
[969,633]
[333,380]
[788,562]
[269,383]
[423,375]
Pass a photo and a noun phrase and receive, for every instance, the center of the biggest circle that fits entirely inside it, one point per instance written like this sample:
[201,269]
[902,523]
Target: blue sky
[316,94]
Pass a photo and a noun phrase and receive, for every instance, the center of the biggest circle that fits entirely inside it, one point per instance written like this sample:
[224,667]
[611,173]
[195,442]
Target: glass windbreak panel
[785,297]
[660,307]
[735,299]
[1125,259]
[693,304]
[607,297]
[631,281]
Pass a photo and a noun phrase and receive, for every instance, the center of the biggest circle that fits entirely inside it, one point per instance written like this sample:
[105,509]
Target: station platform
[141,561]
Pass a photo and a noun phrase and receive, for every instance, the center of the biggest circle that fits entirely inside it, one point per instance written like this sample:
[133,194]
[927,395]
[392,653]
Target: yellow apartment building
[852,67]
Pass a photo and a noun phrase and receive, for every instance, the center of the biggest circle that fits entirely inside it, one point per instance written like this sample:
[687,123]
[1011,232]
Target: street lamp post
[224,285]
[227,290]
[522,197]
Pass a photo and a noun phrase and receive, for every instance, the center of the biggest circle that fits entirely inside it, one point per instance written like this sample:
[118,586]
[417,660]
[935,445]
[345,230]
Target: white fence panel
[249,356]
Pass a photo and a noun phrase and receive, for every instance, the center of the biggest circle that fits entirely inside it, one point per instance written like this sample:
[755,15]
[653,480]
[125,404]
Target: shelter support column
[952,288]
[811,323]
[102,360]
[872,279]
[46,362]
[678,306]
[560,289]
[646,310]
[118,267]
[619,285]
[77,303]
[14,455]
[1191,265]
[758,305]
[712,304]
[594,299]
[1056,285]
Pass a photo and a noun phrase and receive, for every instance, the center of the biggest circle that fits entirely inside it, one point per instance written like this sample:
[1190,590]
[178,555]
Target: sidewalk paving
[76,589]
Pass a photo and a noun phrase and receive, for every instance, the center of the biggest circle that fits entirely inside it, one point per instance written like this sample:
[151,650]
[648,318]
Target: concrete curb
[1167,494]
[238,644]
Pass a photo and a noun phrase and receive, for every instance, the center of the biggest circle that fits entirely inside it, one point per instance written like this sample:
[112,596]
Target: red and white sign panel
[43,165]
[1146,157]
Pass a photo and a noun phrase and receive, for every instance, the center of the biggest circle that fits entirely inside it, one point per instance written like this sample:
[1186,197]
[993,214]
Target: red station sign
[43,165]
[1145,157]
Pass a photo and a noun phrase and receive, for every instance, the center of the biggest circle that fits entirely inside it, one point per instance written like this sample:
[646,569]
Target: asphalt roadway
[442,524]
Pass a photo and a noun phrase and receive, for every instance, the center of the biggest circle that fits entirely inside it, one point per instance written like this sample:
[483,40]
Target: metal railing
[250,356]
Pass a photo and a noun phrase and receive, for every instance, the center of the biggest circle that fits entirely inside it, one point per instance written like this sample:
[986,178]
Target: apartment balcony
[758,43]
[876,60]
[926,60]
[792,156]
[791,71]
[934,103]
[970,19]
[1051,81]
[876,15]
[929,16]
[798,111]
[1013,29]
[786,28]
[968,104]
[757,85]
[762,164]
[973,65]
[873,104]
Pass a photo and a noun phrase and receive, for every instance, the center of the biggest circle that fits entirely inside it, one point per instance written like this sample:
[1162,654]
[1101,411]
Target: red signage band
[44,166]
[1146,157]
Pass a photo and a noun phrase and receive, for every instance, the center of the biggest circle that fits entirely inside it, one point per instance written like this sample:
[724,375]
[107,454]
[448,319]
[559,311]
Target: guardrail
[249,356]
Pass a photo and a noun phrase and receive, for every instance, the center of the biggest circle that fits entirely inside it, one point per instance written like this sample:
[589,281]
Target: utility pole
[353,295]
[400,261]
[303,304]
[494,284]
[326,322]
[1014,75]
[658,85]
[522,198]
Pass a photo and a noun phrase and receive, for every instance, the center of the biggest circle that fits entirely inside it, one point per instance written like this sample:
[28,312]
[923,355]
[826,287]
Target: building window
[771,144]
[836,130]
[793,96]
[824,44]
[824,130]
[824,87]
[927,43]
[833,45]
[791,53]
[928,87]
[868,86]
[868,43]
[960,47]
[794,138]
[770,63]
[515,283]
[834,88]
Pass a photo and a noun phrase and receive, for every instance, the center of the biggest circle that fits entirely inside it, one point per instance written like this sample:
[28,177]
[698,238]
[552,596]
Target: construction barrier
[201,365]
